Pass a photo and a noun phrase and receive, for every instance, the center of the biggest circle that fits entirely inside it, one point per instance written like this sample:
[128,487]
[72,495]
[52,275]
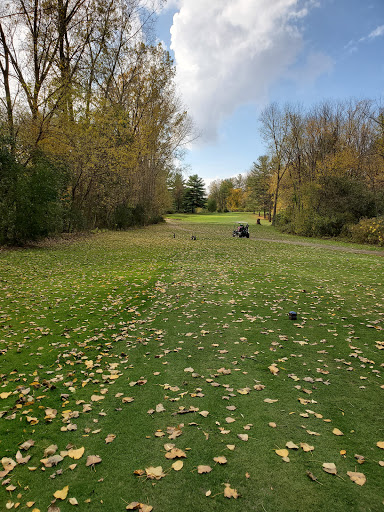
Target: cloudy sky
[233,57]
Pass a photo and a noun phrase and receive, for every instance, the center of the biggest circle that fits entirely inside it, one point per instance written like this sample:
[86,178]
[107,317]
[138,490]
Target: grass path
[124,344]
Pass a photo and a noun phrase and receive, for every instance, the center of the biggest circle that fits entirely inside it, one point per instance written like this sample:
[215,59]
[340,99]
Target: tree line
[90,120]
[323,174]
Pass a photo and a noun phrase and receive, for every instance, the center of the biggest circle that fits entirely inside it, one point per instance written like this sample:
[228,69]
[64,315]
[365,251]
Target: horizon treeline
[323,173]
[90,120]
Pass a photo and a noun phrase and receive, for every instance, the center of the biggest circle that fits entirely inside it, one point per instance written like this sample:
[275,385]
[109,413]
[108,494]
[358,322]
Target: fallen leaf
[27,444]
[243,437]
[76,454]
[177,465]
[273,369]
[92,460]
[73,501]
[154,473]
[292,446]
[141,507]
[203,469]
[175,453]
[52,461]
[230,493]
[337,432]
[380,444]
[282,453]
[110,438]
[307,447]
[358,478]
[329,467]
[220,460]
[61,494]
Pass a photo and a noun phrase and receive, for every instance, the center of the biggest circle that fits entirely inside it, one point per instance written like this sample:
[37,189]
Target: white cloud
[379,31]
[229,52]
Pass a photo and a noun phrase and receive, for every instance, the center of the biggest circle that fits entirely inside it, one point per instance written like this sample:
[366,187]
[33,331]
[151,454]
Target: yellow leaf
[282,453]
[30,504]
[76,454]
[380,444]
[177,465]
[61,494]
[358,478]
[337,432]
[73,501]
[5,394]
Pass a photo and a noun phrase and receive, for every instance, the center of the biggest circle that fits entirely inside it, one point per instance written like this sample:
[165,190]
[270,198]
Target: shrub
[368,231]
[31,205]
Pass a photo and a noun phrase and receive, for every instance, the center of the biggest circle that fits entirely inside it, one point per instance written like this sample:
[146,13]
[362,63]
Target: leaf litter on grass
[252,315]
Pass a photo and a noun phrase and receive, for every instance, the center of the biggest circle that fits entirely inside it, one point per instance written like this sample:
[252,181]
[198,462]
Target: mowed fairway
[174,362]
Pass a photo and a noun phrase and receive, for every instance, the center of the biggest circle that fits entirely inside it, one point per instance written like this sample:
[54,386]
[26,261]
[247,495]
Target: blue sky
[233,57]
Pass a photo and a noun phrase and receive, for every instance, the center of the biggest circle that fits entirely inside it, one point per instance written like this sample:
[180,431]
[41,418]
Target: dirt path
[175,225]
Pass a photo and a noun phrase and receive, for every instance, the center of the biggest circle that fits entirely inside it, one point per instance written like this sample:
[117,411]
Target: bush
[327,207]
[31,205]
[211,205]
[368,231]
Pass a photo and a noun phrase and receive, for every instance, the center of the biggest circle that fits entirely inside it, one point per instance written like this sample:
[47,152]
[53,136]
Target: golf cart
[240,229]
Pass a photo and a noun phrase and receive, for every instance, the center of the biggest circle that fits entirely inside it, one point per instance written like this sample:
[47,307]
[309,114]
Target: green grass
[150,305]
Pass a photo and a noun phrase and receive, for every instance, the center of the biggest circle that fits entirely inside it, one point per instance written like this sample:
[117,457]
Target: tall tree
[194,194]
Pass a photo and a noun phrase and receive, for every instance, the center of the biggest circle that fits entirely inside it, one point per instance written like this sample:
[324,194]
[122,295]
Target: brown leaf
[243,437]
[141,507]
[358,478]
[20,459]
[177,465]
[273,369]
[27,444]
[110,438]
[92,460]
[204,469]
[52,461]
[329,467]
[220,460]
[175,453]
[154,473]
[292,446]
[230,493]
[306,447]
